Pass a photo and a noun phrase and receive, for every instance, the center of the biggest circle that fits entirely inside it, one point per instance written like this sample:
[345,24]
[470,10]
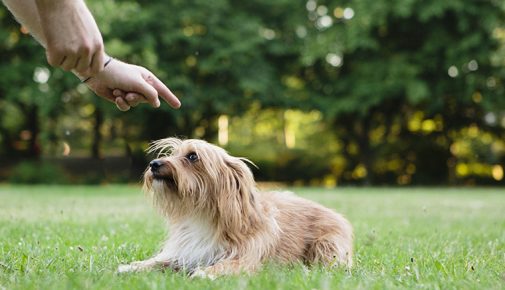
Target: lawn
[67,237]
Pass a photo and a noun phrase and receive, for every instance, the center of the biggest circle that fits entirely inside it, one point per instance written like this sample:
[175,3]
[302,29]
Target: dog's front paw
[199,273]
[135,266]
[125,269]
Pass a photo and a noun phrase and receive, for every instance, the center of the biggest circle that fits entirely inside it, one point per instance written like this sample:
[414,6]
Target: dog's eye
[192,157]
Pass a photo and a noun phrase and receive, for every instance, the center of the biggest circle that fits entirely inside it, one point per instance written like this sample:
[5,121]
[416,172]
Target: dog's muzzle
[155,165]
[162,171]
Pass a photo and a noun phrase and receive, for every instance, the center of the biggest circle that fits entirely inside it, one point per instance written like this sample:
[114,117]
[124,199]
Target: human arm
[52,28]
[25,12]
[66,29]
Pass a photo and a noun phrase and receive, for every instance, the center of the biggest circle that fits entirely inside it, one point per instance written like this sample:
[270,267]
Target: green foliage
[30,172]
[403,51]
[67,237]
[293,166]
[367,67]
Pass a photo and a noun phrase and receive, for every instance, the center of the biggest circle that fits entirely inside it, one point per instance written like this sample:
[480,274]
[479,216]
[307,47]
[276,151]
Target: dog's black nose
[155,164]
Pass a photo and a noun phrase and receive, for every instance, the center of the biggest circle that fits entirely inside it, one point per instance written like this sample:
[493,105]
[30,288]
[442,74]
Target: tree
[385,61]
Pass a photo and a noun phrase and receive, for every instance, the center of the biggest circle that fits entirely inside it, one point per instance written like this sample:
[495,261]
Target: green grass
[75,237]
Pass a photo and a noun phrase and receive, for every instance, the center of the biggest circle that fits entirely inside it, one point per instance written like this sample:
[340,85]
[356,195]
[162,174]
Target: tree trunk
[7,141]
[210,133]
[365,150]
[32,123]
[97,135]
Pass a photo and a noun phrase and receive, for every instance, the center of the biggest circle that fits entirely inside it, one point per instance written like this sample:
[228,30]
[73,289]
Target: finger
[143,88]
[118,93]
[83,64]
[97,62]
[164,91]
[55,59]
[121,104]
[134,99]
[69,63]
[105,93]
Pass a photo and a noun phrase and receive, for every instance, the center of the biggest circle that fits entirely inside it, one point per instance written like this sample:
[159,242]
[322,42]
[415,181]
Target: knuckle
[98,45]
[51,61]
[70,49]
[68,52]
[53,49]
[85,49]
[73,52]
[53,56]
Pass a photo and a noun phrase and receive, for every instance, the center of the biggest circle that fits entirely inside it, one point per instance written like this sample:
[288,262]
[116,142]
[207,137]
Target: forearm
[25,12]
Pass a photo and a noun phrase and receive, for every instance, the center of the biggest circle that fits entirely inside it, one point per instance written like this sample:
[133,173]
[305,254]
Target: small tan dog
[220,223]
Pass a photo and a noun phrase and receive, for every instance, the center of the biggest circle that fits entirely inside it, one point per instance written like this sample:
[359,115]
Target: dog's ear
[241,173]
[236,200]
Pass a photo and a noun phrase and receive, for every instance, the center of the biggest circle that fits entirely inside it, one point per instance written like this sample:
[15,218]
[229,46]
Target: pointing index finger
[163,91]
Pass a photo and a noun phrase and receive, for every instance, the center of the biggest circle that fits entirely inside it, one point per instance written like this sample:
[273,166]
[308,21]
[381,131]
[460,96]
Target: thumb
[143,88]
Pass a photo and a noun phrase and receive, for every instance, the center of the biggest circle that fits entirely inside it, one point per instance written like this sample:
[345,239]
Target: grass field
[75,237]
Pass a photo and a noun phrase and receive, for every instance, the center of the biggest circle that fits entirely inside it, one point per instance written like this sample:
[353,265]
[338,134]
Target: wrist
[86,77]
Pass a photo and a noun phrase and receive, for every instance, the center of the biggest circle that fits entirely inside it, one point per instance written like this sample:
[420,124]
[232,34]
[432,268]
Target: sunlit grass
[74,237]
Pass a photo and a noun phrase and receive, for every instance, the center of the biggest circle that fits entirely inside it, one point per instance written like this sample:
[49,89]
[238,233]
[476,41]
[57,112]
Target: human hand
[73,40]
[128,85]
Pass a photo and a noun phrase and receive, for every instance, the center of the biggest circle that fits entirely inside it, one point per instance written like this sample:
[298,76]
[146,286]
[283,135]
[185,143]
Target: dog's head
[195,177]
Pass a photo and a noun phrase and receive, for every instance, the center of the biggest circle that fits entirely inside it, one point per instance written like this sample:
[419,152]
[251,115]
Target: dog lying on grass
[221,224]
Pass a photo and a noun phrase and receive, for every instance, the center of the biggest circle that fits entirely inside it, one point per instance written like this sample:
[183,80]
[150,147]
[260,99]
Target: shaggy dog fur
[220,223]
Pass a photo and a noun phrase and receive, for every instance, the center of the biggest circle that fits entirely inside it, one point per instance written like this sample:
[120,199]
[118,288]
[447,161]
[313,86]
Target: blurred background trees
[317,92]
